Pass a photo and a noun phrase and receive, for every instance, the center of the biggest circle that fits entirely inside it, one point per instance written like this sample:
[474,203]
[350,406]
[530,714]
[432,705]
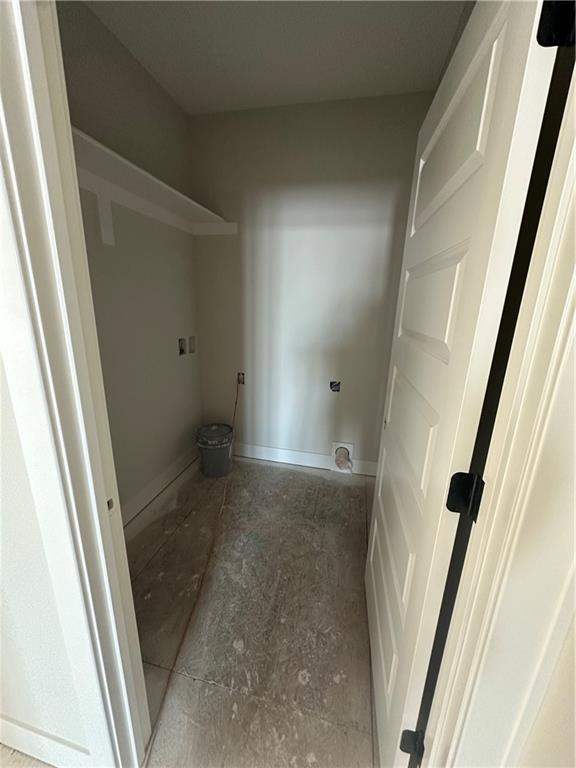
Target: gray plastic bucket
[215,444]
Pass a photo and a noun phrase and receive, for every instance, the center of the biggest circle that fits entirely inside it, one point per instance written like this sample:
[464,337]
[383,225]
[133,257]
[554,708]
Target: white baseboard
[300,458]
[157,486]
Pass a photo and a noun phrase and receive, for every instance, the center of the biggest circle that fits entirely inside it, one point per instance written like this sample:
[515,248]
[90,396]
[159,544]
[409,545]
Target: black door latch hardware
[465,494]
[412,743]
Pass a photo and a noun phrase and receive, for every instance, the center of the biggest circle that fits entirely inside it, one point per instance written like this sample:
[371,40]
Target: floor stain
[258,610]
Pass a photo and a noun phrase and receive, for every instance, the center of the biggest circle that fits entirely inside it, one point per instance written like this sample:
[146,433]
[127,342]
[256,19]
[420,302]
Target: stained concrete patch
[287,578]
[207,726]
[11,758]
[265,577]
[192,496]
[167,589]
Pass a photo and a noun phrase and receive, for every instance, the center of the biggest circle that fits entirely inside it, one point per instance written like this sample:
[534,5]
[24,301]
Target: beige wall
[116,101]
[307,291]
[143,289]
[305,294]
[143,286]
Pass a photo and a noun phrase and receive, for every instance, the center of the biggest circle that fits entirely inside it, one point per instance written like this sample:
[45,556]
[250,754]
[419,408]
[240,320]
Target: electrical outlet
[241,377]
[181,346]
[191,344]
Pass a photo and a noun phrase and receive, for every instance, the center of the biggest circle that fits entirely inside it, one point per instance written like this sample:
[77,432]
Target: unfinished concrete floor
[250,606]
[10,758]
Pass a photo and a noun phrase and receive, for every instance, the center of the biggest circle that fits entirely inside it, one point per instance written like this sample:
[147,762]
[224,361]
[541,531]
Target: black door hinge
[412,743]
[465,494]
[556,26]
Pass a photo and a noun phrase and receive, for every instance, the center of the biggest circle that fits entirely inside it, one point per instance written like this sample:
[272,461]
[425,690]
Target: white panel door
[473,163]
[63,683]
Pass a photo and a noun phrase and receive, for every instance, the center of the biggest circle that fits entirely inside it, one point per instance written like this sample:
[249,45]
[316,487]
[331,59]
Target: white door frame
[38,141]
[36,146]
[510,468]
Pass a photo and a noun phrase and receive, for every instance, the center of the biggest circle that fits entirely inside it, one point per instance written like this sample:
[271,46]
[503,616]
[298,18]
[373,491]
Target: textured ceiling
[215,56]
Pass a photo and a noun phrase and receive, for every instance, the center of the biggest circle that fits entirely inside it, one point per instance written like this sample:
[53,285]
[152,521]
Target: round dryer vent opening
[342,458]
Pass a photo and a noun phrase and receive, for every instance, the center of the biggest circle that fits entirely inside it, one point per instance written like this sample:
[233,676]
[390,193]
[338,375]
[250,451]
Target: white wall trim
[300,458]
[156,486]
[105,219]
[113,179]
[160,502]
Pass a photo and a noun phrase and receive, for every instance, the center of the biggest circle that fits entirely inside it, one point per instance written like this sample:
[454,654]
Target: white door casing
[47,642]
[473,164]
[512,618]
[54,398]
[533,606]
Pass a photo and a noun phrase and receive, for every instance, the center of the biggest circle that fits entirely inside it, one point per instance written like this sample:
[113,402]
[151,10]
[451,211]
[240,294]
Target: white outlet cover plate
[335,446]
